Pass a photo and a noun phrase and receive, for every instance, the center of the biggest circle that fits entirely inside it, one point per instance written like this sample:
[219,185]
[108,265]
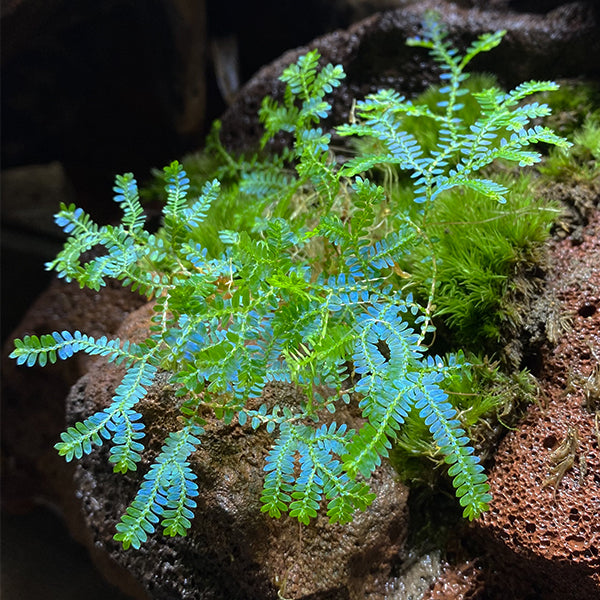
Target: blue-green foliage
[166,492]
[315,306]
[463,148]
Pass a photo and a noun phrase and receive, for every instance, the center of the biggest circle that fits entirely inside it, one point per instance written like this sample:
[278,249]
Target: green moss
[582,162]
[570,105]
[480,247]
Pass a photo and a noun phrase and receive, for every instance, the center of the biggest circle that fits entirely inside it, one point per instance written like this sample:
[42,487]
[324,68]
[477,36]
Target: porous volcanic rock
[233,550]
[544,533]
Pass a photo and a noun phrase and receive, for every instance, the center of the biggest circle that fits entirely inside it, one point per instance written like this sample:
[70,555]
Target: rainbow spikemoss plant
[310,290]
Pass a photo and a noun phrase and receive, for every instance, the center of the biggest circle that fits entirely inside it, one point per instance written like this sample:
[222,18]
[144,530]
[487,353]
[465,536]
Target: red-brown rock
[544,531]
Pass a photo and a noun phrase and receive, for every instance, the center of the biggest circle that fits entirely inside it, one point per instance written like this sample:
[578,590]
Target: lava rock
[543,532]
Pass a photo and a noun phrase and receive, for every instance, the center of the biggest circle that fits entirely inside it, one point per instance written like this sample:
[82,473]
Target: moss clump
[481,246]
[581,164]
[571,104]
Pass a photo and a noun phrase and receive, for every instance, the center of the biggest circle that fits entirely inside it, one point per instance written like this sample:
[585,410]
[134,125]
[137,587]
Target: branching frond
[118,422]
[126,194]
[33,350]
[167,492]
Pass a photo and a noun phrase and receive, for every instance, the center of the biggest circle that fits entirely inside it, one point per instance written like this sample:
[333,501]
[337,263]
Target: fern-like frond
[177,185]
[265,184]
[126,194]
[434,39]
[315,165]
[385,406]
[309,86]
[484,43]
[275,117]
[528,88]
[279,478]
[329,77]
[319,474]
[84,234]
[402,148]
[300,76]
[439,415]
[118,422]
[33,349]
[386,352]
[195,214]
[167,492]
